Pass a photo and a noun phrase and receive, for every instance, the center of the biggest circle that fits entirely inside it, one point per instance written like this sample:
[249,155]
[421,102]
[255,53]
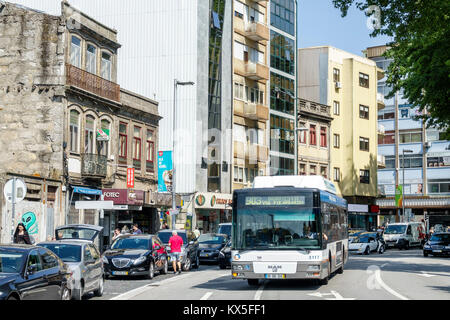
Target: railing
[381,129]
[257,31]
[381,161]
[318,109]
[94,165]
[256,71]
[90,82]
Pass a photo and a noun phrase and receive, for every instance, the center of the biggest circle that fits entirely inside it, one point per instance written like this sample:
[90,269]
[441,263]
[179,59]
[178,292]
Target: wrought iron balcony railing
[94,165]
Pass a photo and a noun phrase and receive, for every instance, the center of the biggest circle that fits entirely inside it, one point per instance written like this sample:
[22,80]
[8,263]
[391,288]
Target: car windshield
[361,240]
[131,243]
[165,236]
[441,237]
[211,239]
[75,233]
[395,229]
[67,252]
[11,261]
[225,229]
[355,234]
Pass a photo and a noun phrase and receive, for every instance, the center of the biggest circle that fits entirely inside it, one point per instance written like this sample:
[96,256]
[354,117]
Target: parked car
[225,256]
[404,235]
[438,245]
[210,245]
[354,233]
[365,243]
[32,273]
[135,255]
[77,249]
[379,238]
[189,250]
[225,228]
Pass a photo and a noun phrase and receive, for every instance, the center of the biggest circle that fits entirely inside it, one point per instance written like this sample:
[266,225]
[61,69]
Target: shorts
[175,256]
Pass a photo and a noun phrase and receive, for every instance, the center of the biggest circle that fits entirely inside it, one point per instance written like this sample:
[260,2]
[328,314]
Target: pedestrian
[175,243]
[117,233]
[165,225]
[125,230]
[21,235]
[196,233]
[136,229]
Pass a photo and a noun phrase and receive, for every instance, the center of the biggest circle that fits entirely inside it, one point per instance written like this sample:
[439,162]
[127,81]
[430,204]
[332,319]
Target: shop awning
[87,191]
[416,203]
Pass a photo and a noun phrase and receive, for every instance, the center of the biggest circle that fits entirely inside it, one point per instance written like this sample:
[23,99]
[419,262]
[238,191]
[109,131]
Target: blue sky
[319,23]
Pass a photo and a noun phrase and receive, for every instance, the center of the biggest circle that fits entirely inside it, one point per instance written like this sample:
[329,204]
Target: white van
[404,235]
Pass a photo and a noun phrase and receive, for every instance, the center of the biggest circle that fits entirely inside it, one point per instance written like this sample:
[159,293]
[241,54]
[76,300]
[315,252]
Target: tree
[420,51]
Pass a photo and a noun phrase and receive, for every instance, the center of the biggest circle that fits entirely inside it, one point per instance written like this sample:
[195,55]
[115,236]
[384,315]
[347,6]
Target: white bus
[288,227]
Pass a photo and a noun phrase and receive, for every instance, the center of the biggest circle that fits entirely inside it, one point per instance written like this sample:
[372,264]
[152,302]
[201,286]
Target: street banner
[165,171]
[399,196]
[130,178]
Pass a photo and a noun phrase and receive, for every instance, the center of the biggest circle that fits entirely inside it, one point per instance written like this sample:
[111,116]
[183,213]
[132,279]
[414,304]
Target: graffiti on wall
[30,222]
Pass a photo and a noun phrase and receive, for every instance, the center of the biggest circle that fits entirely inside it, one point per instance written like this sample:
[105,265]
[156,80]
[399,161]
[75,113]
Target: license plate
[274,276]
[120,273]
[204,255]
[437,250]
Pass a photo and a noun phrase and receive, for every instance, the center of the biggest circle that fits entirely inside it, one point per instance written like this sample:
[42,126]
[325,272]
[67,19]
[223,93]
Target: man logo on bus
[274,268]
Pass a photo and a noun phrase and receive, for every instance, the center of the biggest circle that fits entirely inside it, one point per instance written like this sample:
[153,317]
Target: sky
[320,23]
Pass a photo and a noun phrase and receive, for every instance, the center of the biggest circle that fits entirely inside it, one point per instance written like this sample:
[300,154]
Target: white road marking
[386,287]
[206,296]
[426,275]
[259,292]
[337,296]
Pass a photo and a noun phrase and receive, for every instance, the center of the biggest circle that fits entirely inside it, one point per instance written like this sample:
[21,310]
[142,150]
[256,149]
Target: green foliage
[420,51]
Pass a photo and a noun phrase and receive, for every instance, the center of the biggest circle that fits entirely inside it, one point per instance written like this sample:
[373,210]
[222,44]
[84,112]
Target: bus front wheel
[252,282]
[324,281]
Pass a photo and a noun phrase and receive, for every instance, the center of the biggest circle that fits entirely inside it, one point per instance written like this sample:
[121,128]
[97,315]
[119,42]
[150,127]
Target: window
[337,174]
[282,134]
[312,170]
[150,164]
[337,108]
[336,75]
[363,144]
[91,59]
[104,145]
[312,135]
[282,90]
[408,137]
[302,170]
[363,80]
[364,176]
[283,15]
[87,255]
[437,161]
[239,90]
[238,14]
[137,147]
[49,260]
[106,66]
[302,133]
[123,143]
[337,141]
[74,129]
[323,172]
[363,112]
[238,174]
[323,137]
[282,53]
[75,52]
[388,138]
[89,135]
[35,259]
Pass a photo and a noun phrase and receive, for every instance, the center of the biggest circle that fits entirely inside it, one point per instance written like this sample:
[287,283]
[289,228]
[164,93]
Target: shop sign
[213,201]
[130,178]
[124,196]
[358,208]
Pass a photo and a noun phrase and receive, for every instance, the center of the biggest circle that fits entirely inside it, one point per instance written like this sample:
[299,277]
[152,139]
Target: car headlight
[140,260]
[105,260]
[427,246]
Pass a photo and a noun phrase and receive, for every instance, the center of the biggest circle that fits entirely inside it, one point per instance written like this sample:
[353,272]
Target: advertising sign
[165,171]
[124,196]
[398,196]
[130,178]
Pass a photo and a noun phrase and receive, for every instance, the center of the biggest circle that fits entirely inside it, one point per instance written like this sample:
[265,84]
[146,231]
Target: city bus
[288,227]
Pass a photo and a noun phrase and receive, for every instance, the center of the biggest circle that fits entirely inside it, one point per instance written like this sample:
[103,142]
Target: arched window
[75,52]
[91,59]
[89,136]
[106,66]
[104,138]
[74,130]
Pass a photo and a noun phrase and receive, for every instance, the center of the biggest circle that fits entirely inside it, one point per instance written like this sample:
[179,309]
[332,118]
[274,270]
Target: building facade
[347,83]
[426,169]
[87,126]
[314,143]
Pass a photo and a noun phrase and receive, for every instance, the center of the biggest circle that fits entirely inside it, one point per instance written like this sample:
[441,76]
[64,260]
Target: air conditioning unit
[427,144]
[338,85]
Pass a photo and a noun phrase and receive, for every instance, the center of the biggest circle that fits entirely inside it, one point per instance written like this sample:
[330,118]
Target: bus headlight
[314,268]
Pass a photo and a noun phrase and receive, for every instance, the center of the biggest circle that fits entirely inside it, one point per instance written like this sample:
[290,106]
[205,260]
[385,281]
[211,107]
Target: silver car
[75,246]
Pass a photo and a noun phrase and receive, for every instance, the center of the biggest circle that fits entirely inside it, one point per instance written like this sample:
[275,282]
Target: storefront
[362,216]
[212,209]
[83,216]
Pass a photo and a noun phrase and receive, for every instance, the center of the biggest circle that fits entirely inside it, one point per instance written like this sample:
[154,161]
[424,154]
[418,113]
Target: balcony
[239,149]
[260,1]
[380,101]
[92,83]
[257,31]
[380,74]
[381,130]
[94,165]
[257,153]
[256,71]
[256,111]
[381,161]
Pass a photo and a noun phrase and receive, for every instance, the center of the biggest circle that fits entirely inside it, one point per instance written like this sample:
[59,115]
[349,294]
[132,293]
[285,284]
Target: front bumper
[303,271]
[130,271]
[211,257]
[437,252]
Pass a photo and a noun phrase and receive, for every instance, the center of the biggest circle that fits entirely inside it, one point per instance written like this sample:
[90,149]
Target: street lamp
[175,84]
[403,183]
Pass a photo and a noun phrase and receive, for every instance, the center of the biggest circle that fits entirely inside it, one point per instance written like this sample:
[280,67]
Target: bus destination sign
[274,200]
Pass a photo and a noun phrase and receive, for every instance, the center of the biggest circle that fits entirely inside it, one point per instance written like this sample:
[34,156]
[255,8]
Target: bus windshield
[284,227]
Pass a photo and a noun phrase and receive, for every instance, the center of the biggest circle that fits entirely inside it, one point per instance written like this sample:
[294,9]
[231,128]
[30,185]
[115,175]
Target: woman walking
[21,235]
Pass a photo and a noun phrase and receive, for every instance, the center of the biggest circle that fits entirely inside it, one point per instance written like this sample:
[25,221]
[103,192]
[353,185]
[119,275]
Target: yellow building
[250,101]
[348,83]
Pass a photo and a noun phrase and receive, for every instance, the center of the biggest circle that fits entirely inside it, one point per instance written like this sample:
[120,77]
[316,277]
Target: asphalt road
[394,275]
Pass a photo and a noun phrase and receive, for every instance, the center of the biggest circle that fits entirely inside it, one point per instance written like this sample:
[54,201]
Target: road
[394,275]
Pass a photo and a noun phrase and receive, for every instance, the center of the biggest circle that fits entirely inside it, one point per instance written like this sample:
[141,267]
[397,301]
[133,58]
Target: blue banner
[87,191]
[165,171]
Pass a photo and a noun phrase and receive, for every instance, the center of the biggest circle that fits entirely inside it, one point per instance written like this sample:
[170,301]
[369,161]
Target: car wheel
[252,282]
[407,246]
[151,271]
[425,254]
[222,266]
[367,251]
[165,269]
[341,268]
[197,262]
[66,294]
[77,294]
[99,291]
[381,251]
[187,265]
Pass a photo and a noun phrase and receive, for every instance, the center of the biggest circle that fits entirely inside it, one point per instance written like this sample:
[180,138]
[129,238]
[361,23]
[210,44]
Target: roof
[314,182]
[21,247]
[170,230]
[136,235]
